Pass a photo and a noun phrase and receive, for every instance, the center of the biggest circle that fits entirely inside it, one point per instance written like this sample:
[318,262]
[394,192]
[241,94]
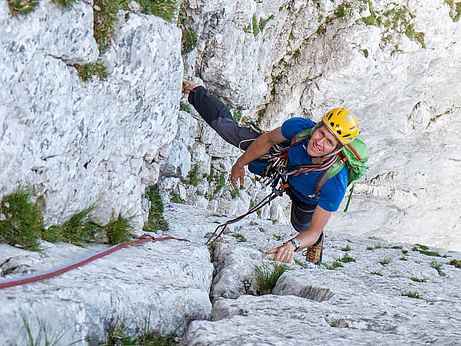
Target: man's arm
[258,148]
[285,252]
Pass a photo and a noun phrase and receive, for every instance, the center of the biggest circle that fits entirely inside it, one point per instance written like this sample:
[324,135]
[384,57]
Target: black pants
[216,114]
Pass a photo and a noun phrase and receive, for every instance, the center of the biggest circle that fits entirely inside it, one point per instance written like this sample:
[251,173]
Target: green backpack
[354,155]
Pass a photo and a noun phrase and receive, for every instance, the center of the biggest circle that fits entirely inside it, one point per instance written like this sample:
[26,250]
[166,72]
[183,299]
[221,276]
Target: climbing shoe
[314,253]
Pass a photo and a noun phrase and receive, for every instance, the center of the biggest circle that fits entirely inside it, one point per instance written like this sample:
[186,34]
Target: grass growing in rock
[23,220]
[240,237]
[334,265]
[437,266]
[166,9]
[155,220]
[105,20]
[22,6]
[118,229]
[64,3]
[266,276]
[42,337]
[423,249]
[346,248]
[456,263]
[117,335]
[189,40]
[87,71]
[175,197]
[395,21]
[411,294]
[193,177]
[455,9]
[77,230]
[385,261]
[346,259]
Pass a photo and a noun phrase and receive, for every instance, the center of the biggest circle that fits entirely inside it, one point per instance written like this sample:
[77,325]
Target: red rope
[55,272]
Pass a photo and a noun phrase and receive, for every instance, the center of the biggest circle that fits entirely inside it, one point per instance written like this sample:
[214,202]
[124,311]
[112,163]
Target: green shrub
[266,276]
[118,229]
[22,6]
[23,221]
[423,249]
[155,220]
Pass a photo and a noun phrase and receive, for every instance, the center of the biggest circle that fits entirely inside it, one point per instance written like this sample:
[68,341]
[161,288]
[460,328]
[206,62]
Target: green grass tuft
[235,192]
[119,229]
[266,276]
[335,264]
[105,20]
[79,228]
[175,197]
[423,249]
[417,279]
[22,6]
[87,71]
[437,266]
[346,258]
[155,220]
[64,3]
[385,261]
[346,248]
[411,294]
[165,9]
[240,237]
[193,177]
[189,40]
[23,221]
[377,273]
[456,263]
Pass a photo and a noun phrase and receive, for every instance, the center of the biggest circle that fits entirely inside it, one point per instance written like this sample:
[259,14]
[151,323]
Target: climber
[309,213]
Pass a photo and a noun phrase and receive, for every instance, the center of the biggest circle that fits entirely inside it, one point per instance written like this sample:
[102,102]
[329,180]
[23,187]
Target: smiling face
[322,142]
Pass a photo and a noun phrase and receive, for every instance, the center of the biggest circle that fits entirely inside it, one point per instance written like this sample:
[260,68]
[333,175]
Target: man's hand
[237,173]
[283,253]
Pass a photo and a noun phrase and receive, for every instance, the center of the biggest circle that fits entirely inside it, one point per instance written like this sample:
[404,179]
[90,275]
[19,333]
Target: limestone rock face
[156,286]
[365,288]
[79,143]
[395,64]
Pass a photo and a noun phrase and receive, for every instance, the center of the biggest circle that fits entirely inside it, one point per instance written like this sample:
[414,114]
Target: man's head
[338,128]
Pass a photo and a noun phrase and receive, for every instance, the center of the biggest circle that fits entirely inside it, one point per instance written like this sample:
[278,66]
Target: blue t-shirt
[303,185]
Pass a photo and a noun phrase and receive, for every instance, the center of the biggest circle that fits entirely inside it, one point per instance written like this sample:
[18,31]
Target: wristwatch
[296,242]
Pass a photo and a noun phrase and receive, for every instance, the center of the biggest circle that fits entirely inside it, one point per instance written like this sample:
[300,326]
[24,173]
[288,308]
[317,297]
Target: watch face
[296,243]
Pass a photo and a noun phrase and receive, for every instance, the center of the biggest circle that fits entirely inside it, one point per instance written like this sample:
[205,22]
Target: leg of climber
[301,216]
[216,114]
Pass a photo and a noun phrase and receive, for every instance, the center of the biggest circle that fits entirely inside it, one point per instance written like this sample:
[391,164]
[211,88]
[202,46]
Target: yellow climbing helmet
[342,124]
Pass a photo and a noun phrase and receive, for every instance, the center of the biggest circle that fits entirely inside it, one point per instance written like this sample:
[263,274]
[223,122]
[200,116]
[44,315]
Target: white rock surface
[159,285]
[79,143]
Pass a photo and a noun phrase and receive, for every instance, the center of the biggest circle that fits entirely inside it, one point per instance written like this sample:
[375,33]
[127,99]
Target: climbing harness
[61,270]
